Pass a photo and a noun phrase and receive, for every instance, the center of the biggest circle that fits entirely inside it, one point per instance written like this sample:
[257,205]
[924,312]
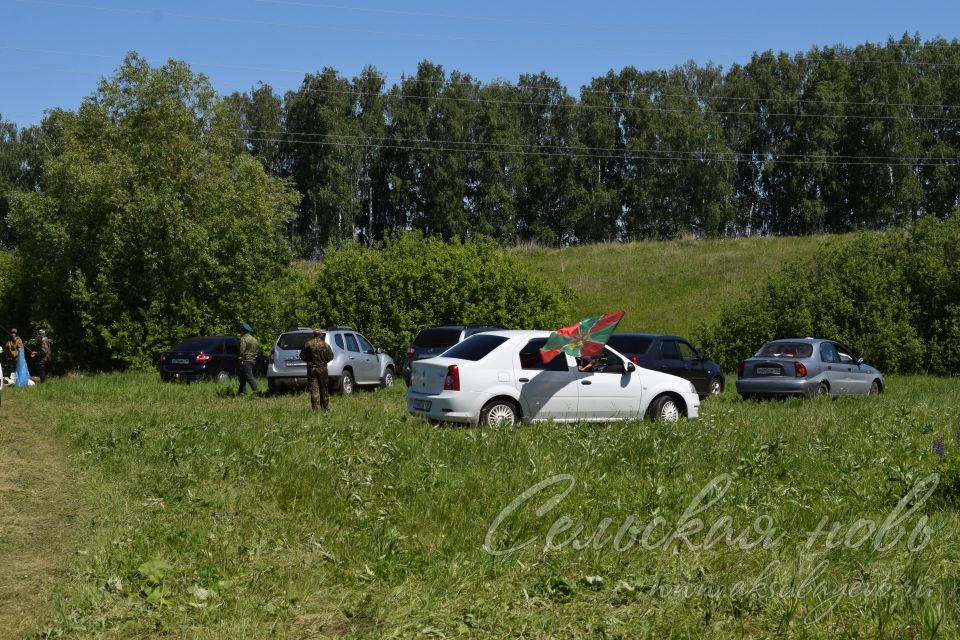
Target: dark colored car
[206,358]
[434,340]
[673,355]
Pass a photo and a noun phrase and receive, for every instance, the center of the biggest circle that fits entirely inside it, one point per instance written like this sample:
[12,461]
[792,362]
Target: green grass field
[665,287]
[207,516]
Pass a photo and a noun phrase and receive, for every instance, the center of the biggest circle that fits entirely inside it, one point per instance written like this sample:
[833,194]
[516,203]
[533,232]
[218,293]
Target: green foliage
[411,282]
[947,493]
[890,295]
[150,225]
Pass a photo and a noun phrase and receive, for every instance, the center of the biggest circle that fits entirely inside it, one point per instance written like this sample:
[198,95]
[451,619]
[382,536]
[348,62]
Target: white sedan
[499,377]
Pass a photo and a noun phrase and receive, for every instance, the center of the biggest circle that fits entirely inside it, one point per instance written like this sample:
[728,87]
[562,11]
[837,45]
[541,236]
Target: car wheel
[388,378]
[665,409]
[223,376]
[346,383]
[823,390]
[499,412]
[716,386]
[875,388]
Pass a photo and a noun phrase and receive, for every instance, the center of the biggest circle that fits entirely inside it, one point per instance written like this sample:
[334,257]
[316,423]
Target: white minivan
[500,377]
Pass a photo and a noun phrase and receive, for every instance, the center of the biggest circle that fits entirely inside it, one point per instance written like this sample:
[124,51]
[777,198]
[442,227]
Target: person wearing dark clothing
[14,344]
[43,355]
[316,353]
[249,347]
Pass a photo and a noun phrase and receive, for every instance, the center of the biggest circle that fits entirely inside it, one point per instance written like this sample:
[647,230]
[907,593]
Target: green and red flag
[586,338]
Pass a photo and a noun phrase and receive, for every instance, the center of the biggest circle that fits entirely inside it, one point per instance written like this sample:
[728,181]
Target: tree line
[829,140]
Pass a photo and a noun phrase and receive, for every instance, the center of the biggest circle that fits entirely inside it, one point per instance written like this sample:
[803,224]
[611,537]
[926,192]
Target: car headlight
[693,389]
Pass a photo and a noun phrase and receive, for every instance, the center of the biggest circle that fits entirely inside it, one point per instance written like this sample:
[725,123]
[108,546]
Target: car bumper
[692,400]
[778,385]
[445,407]
[299,382]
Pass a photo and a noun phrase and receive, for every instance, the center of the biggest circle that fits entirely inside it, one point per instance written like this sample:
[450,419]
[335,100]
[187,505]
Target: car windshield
[197,344]
[785,350]
[475,347]
[630,344]
[294,340]
[437,337]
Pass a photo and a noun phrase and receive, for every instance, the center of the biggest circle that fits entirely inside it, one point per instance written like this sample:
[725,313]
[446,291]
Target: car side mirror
[378,351]
[860,360]
[631,367]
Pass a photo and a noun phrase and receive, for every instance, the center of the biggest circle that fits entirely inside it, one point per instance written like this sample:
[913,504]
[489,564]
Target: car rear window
[198,344]
[630,344]
[475,347]
[785,350]
[437,337]
[294,341]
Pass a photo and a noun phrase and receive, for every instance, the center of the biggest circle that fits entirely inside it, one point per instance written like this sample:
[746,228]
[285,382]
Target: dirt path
[37,517]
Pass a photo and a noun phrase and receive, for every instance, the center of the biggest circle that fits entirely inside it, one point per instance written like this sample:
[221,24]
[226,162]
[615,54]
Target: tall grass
[210,516]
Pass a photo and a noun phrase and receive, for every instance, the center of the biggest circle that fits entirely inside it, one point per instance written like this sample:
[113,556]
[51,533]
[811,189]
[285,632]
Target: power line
[506,146]
[651,108]
[621,155]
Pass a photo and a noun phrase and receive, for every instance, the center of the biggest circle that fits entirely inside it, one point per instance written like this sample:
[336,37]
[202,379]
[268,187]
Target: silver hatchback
[355,361]
[806,366]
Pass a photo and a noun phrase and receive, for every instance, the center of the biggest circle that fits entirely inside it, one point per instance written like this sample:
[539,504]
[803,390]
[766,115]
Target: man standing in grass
[317,353]
[249,347]
[14,344]
[43,355]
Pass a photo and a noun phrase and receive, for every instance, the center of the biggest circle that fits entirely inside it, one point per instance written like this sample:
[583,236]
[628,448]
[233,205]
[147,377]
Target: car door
[608,391]
[669,359]
[546,390]
[693,363]
[230,360]
[373,360]
[835,374]
[363,364]
[856,381]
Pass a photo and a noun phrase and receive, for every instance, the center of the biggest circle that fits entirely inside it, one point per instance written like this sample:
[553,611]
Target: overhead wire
[408,144]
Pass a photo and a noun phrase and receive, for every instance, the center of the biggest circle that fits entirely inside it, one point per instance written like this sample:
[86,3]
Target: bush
[390,293]
[890,295]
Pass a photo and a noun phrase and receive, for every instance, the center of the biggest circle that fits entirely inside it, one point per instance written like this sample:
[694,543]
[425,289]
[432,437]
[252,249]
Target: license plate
[769,371]
[180,361]
[421,405]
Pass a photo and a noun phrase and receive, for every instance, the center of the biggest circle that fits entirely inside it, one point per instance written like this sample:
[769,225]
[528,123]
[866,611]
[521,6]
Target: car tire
[388,378]
[875,388]
[499,412]
[716,386]
[222,376]
[822,391]
[346,383]
[665,409]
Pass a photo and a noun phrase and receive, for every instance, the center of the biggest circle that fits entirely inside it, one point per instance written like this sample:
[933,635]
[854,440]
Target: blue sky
[54,51]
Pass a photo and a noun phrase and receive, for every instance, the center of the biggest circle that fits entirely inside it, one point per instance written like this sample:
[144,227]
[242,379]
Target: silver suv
[355,361]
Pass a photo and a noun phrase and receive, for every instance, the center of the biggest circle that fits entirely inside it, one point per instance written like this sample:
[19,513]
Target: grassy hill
[665,287]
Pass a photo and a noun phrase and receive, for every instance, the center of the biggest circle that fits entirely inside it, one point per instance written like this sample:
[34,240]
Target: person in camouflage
[249,347]
[317,353]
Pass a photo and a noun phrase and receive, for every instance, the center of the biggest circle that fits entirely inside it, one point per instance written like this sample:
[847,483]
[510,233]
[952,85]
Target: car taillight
[801,369]
[634,360]
[452,381]
[740,369]
[202,357]
[411,352]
